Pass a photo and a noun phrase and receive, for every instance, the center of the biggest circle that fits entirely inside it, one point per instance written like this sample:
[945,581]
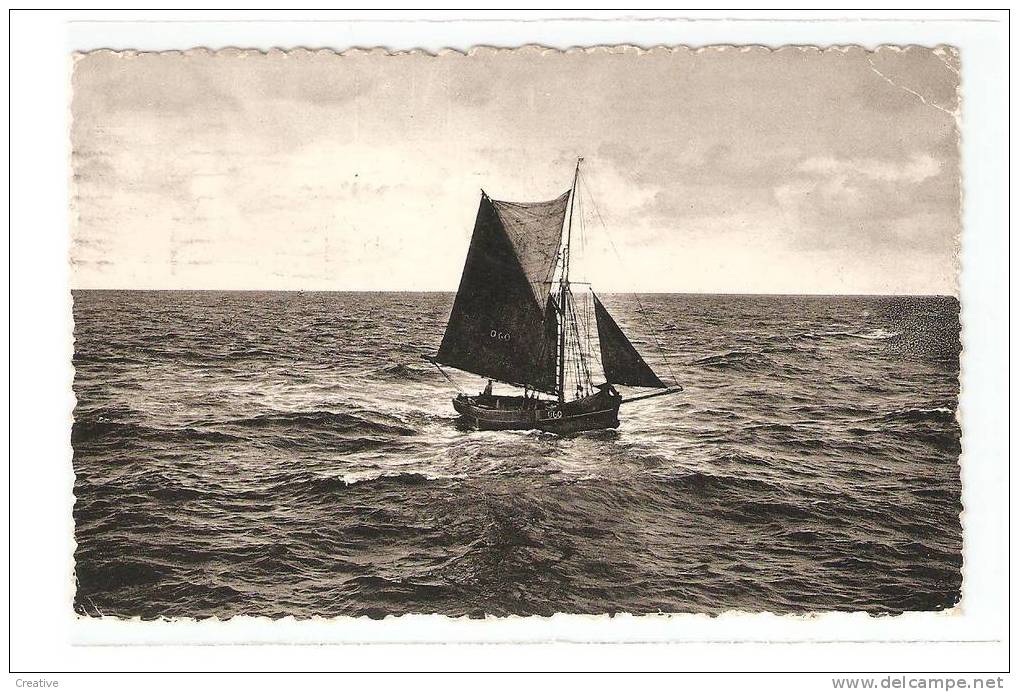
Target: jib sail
[620,360]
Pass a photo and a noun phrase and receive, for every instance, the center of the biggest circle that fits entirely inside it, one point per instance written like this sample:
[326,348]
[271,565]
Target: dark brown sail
[497,327]
[620,360]
[535,229]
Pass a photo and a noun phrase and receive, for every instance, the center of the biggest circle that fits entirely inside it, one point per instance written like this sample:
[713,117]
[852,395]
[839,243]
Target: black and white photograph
[357,341]
[516,332]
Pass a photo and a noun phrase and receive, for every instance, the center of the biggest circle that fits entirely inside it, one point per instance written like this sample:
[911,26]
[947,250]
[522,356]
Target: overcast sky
[737,171]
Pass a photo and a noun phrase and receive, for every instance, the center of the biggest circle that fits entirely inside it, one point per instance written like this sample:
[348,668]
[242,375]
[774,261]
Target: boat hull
[487,412]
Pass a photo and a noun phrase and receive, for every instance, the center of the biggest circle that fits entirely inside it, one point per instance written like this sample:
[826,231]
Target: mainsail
[498,326]
[535,230]
[620,360]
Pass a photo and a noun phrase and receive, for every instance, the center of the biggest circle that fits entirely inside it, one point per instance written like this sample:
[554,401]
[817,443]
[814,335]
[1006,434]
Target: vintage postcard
[516,332]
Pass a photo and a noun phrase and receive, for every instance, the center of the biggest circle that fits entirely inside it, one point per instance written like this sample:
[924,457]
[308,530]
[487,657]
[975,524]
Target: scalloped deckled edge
[529,48]
[945,52]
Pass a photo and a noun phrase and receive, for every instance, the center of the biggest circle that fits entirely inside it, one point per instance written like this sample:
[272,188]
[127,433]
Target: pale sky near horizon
[730,171]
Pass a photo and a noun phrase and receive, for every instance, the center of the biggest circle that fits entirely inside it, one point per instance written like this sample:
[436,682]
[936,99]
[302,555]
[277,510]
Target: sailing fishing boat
[515,320]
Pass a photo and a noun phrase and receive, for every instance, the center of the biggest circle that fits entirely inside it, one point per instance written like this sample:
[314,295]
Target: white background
[45,636]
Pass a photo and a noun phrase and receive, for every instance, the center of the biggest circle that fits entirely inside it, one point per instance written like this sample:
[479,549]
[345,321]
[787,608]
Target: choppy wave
[739,359]
[938,414]
[878,334]
[108,430]
[304,421]
[401,372]
[290,454]
[326,486]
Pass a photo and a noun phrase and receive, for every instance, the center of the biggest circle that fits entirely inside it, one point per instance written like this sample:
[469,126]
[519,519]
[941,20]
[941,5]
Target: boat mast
[564,288]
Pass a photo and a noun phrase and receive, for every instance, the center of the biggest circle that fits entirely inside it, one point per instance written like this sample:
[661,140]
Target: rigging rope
[588,318]
[640,305]
[583,374]
[577,373]
[446,375]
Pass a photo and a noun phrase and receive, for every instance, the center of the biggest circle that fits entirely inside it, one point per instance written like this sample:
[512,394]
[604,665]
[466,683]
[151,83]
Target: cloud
[917,168]
[874,205]
[229,170]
